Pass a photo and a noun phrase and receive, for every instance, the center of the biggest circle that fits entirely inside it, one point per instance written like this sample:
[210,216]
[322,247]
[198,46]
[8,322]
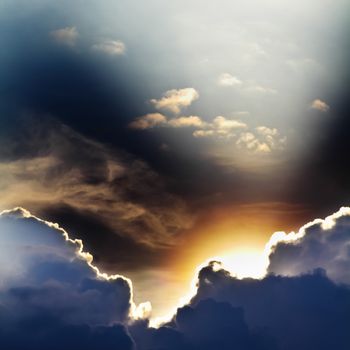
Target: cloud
[51,292]
[300,312]
[256,88]
[207,325]
[263,140]
[319,244]
[220,127]
[67,36]
[152,120]
[62,175]
[111,47]
[175,100]
[226,79]
[191,121]
[320,105]
[148,121]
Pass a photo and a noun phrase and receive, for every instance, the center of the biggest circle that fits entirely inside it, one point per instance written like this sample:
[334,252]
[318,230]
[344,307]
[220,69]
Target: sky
[164,136]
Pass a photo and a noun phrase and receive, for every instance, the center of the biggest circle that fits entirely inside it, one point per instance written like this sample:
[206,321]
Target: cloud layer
[51,292]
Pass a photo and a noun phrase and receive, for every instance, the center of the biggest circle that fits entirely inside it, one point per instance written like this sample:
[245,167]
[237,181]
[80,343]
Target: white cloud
[220,127]
[67,36]
[264,140]
[319,105]
[226,79]
[175,100]
[111,47]
[191,121]
[321,243]
[261,140]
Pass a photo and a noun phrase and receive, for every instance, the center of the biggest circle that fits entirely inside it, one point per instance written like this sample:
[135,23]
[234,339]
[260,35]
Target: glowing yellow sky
[235,236]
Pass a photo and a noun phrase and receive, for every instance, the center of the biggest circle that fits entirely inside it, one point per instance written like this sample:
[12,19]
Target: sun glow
[244,264]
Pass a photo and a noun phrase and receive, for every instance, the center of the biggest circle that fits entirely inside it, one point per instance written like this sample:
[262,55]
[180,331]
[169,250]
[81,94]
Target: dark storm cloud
[208,325]
[302,312]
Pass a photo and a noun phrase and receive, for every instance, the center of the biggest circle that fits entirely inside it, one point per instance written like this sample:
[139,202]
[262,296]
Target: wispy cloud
[226,79]
[111,47]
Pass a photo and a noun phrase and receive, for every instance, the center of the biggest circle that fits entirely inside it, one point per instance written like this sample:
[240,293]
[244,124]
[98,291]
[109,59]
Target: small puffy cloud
[148,121]
[320,105]
[67,36]
[260,140]
[175,100]
[263,140]
[191,121]
[220,127]
[226,79]
[111,47]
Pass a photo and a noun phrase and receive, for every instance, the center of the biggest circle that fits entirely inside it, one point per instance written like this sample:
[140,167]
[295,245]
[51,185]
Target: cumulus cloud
[190,121]
[226,79]
[319,105]
[51,292]
[263,140]
[111,47]
[175,100]
[300,312]
[319,244]
[67,36]
[260,140]
[220,127]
